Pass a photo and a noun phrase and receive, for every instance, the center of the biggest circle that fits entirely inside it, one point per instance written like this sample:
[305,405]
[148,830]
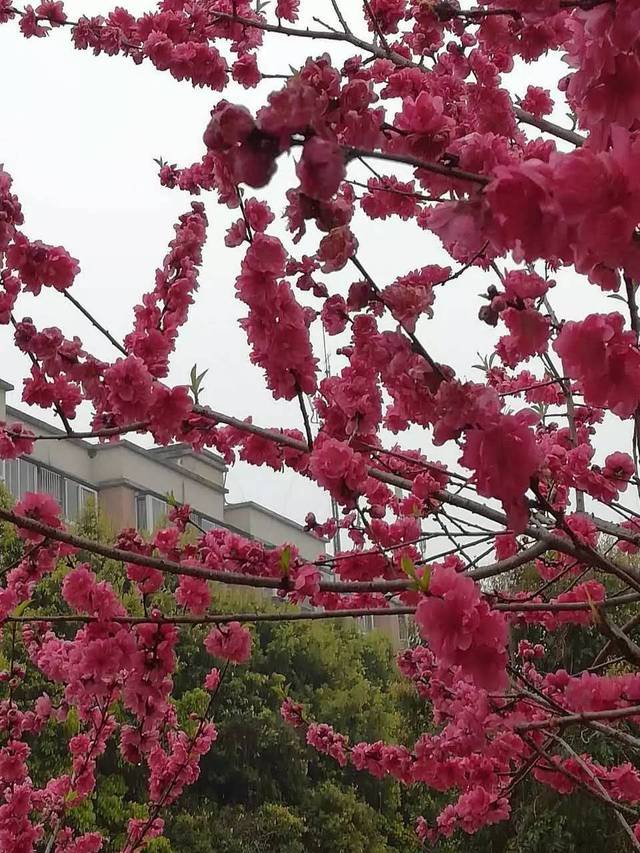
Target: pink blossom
[259,214]
[229,641]
[236,234]
[506,546]
[323,738]
[230,125]
[245,71]
[529,335]
[212,680]
[387,14]
[193,594]
[267,255]
[519,284]
[38,264]
[537,101]
[523,214]
[130,388]
[168,410]
[287,10]
[15,440]
[29,25]
[462,630]
[485,451]
[388,196]
[604,359]
[7,11]
[321,168]
[306,583]
[335,466]
[292,712]
[334,315]
[412,295]
[336,248]
[619,467]
[41,508]
[52,11]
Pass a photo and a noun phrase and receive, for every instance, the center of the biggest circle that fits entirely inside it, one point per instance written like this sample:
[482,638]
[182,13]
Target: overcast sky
[79,134]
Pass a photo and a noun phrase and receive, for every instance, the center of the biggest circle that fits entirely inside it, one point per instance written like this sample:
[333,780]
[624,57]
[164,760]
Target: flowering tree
[418,122]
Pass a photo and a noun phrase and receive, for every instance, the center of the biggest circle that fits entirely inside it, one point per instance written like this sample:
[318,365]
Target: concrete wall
[70,457]
[272,528]
[118,503]
[208,466]
[126,464]
[390,626]
[120,470]
[4,387]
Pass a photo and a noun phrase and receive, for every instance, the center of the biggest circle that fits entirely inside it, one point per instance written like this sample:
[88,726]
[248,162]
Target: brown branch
[220,618]
[428,166]
[482,509]
[107,432]
[305,416]
[476,256]
[631,623]
[619,809]
[417,345]
[238,579]
[340,16]
[94,322]
[572,719]
[565,386]
[576,779]
[549,127]
[617,637]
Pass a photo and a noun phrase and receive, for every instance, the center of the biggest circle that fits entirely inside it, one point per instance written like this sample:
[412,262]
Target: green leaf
[20,609]
[406,563]
[425,579]
[196,381]
[285,560]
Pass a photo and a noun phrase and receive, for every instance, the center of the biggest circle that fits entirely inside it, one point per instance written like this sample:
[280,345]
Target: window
[158,511]
[367,623]
[206,524]
[22,476]
[52,484]
[141,512]
[77,499]
[151,512]
[404,630]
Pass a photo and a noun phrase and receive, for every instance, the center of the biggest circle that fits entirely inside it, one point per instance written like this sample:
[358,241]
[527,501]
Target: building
[130,485]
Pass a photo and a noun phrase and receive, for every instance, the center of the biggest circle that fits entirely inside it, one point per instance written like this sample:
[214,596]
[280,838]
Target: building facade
[130,485]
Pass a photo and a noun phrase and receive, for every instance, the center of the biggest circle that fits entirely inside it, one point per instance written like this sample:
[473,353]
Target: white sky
[79,134]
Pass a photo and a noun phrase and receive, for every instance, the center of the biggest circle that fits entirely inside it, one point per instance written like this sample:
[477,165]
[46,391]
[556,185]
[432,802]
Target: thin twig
[305,416]
[94,322]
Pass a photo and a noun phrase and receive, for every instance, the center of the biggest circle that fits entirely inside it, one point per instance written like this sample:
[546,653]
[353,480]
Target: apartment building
[130,485]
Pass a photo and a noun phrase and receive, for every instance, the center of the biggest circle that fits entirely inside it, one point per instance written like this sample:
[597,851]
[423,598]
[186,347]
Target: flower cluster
[377,135]
[461,629]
